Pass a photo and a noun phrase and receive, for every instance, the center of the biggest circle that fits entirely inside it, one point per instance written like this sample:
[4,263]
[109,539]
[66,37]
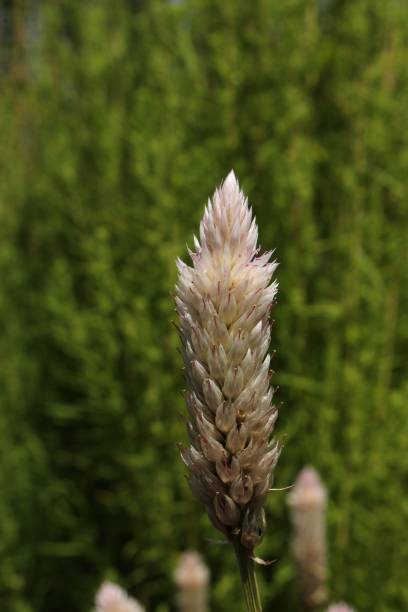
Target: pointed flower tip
[308,489]
[191,571]
[230,183]
[308,476]
[231,177]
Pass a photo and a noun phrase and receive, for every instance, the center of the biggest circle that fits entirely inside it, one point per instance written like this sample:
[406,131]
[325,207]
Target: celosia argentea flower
[340,607]
[112,598]
[308,501]
[224,301]
[191,577]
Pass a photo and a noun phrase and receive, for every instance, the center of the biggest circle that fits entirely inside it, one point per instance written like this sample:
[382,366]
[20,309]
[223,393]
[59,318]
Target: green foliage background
[117,120]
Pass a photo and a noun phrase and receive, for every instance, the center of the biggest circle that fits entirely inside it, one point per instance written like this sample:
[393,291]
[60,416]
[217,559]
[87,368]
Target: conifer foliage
[116,121]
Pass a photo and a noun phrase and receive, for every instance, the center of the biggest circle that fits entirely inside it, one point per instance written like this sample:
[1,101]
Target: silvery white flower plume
[223,301]
[112,598]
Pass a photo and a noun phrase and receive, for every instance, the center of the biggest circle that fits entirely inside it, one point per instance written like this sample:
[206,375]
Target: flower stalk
[248,577]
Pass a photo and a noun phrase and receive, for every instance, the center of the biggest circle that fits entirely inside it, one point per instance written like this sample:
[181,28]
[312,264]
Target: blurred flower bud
[340,607]
[191,577]
[307,503]
[111,598]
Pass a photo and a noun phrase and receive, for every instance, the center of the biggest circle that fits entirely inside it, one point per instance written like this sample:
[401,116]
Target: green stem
[248,578]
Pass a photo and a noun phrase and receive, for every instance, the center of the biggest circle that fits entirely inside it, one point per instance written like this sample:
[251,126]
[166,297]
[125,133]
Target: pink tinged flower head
[340,607]
[307,502]
[309,491]
[223,301]
[191,577]
[112,598]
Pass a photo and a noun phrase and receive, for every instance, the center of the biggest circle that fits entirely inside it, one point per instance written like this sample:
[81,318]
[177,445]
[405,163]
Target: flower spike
[224,301]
